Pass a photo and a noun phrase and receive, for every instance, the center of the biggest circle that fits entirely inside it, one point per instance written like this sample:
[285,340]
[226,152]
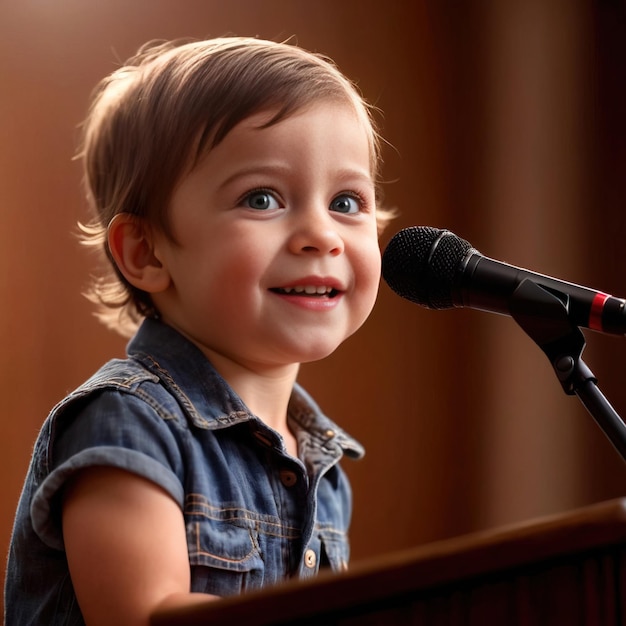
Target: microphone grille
[420,264]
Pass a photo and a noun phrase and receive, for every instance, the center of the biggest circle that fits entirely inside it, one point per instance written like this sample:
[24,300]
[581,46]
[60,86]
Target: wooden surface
[566,569]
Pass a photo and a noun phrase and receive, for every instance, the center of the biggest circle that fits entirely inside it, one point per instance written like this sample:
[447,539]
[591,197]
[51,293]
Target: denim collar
[208,400]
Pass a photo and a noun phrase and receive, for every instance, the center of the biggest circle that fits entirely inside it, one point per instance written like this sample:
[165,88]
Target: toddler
[234,184]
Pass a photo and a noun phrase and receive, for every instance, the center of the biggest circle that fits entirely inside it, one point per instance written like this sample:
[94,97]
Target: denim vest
[254,515]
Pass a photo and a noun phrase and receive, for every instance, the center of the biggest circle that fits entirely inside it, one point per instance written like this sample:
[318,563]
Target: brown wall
[508,128]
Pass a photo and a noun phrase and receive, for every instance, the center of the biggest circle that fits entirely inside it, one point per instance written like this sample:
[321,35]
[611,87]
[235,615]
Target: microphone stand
[543,316]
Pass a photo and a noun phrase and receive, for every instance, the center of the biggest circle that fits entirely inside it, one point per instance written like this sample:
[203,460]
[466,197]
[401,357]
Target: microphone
[438,270]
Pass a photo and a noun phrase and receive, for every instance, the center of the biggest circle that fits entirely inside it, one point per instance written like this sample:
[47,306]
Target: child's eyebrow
[265,169]
[354,174]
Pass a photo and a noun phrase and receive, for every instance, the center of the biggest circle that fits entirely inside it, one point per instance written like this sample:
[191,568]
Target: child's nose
[315,232]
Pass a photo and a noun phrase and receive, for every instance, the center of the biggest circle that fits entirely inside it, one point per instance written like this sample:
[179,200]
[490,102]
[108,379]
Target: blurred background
[506,124]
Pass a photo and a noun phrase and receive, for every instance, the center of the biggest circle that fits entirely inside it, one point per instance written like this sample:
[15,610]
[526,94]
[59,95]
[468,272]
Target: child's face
[268,212]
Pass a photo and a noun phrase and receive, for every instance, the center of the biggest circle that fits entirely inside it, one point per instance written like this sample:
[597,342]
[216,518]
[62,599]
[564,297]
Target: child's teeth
[308,289]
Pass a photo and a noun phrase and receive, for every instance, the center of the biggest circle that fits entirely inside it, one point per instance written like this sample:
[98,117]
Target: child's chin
[318,354]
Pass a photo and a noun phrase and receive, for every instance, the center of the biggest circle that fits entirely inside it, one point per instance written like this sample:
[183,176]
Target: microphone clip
[544,317]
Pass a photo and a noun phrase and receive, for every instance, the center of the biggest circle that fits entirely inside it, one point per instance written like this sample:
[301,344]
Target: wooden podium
[566,570]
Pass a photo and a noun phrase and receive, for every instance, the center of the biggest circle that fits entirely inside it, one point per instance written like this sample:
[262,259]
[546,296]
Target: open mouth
[307,290]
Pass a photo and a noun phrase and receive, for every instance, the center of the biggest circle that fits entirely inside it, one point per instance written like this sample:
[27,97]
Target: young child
[234,182]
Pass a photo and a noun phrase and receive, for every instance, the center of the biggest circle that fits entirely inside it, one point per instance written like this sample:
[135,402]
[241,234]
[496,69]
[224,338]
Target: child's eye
[346,203]
[261,200]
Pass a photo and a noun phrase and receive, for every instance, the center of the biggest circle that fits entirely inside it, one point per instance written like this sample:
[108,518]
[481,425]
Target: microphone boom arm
[544,318]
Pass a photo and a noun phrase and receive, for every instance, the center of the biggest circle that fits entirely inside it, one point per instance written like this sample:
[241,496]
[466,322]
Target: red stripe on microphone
[597,306]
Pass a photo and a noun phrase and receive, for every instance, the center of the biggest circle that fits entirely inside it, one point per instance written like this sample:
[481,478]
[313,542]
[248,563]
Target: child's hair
[153,119]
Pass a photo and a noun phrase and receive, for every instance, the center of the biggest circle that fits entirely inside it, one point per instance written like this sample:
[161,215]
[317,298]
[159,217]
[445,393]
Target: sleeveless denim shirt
[254,515]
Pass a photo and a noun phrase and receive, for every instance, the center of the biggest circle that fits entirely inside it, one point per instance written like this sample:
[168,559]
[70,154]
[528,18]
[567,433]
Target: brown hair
[155,117]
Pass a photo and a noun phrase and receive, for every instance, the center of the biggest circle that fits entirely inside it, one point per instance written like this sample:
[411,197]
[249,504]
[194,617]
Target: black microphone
[438,270]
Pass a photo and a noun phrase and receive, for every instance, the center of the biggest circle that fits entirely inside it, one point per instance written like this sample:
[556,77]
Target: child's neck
[266,392]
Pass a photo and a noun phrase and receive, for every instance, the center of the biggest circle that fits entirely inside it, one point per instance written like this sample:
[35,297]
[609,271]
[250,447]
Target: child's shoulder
[117,374]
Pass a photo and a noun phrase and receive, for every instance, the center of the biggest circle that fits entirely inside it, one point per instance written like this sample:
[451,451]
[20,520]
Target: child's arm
[126,548]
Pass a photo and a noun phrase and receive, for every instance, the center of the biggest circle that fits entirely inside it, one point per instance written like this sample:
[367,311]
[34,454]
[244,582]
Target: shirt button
[288,478]
[310,558]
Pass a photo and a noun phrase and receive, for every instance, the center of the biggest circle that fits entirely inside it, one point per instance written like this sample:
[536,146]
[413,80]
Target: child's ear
[131,246]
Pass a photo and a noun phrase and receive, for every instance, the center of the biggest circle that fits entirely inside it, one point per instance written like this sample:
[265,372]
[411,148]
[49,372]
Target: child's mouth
[307,290]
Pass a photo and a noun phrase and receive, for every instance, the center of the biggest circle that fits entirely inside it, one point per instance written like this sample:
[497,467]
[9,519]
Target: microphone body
[436,269]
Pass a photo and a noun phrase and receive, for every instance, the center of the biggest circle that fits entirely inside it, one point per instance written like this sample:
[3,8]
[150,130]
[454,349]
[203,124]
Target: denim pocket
[223,550]
[335,548]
